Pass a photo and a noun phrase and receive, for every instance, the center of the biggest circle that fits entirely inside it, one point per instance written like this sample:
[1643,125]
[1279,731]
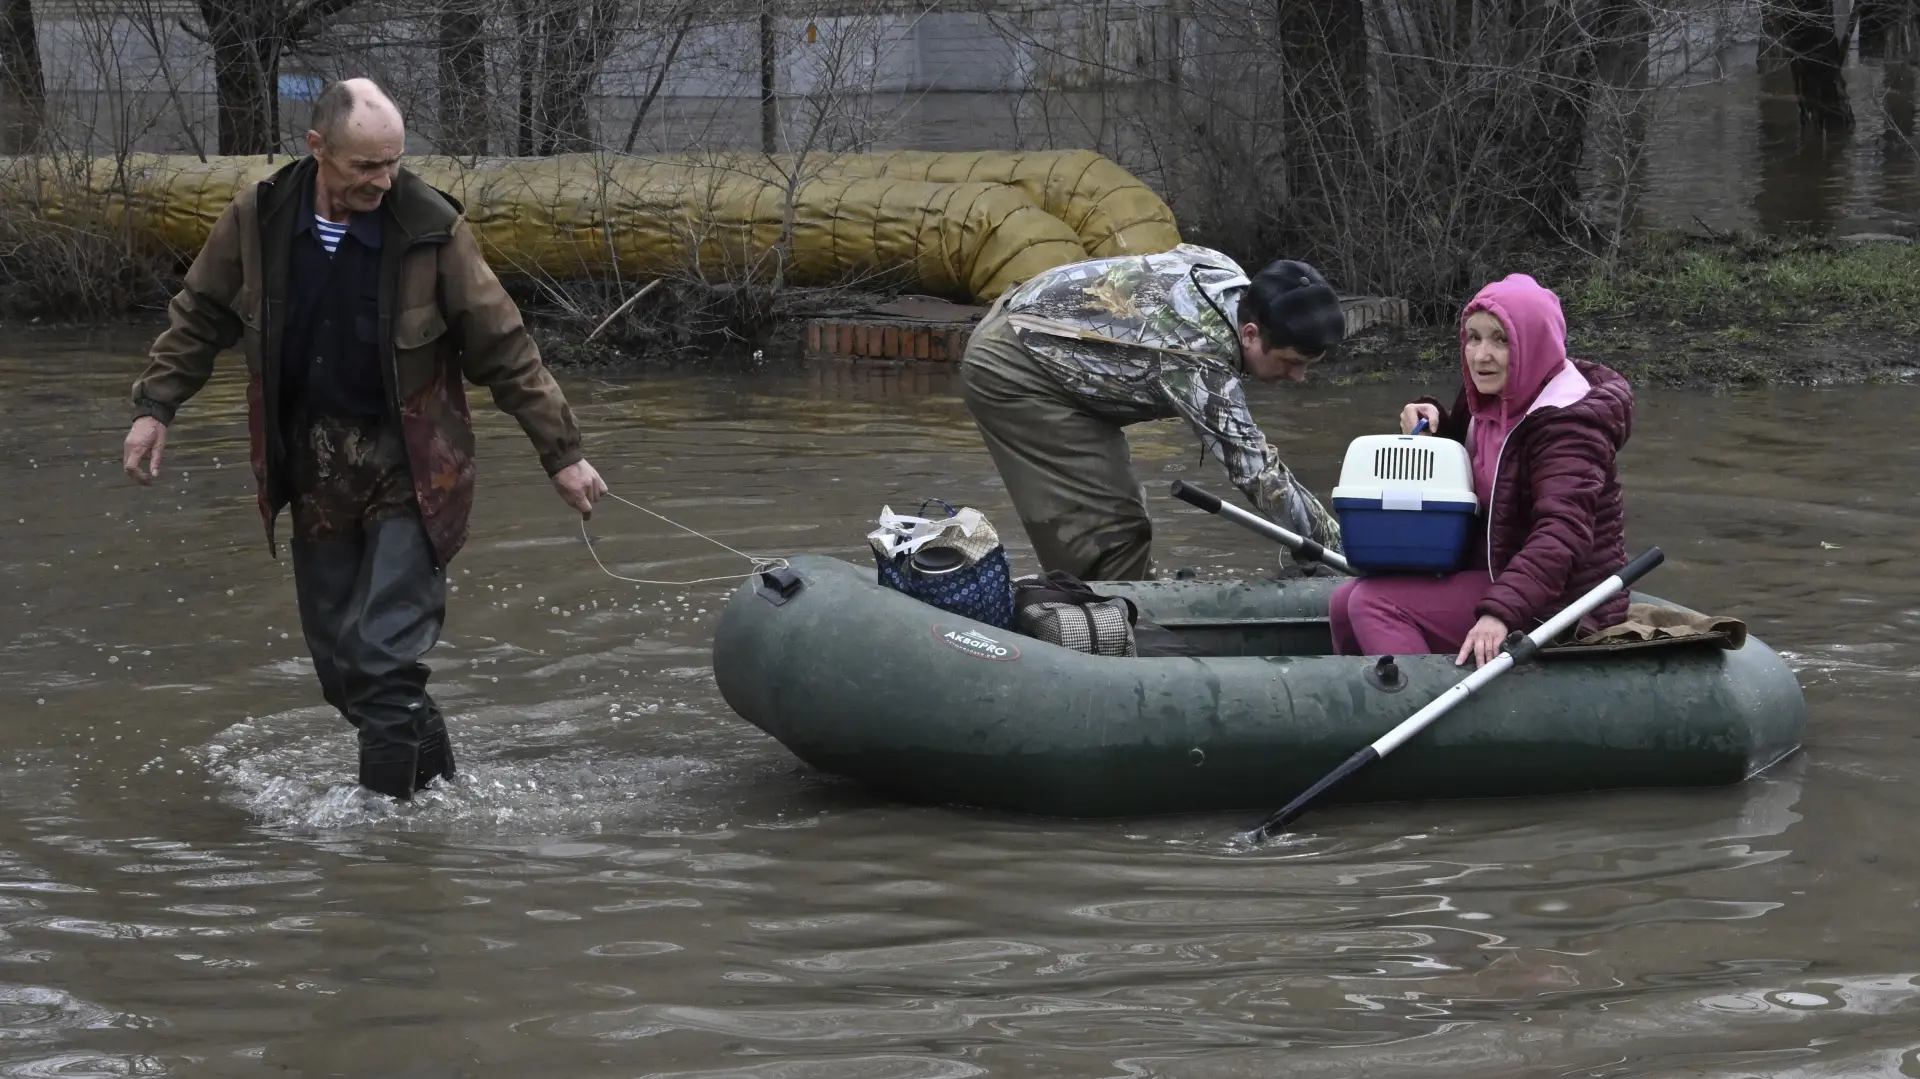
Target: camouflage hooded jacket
[1144,337]
[443,320]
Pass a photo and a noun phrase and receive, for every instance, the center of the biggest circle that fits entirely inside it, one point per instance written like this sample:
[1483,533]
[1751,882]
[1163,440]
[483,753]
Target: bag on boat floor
[1153,640]
[955,563]
[1061,609]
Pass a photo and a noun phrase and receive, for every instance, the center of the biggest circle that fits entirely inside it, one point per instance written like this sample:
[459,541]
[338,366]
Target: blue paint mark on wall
[300,87]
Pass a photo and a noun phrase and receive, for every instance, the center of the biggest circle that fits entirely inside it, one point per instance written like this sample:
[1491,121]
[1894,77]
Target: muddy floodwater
[633,882]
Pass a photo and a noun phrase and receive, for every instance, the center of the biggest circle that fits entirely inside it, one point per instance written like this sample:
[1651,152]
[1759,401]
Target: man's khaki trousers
[1068,472]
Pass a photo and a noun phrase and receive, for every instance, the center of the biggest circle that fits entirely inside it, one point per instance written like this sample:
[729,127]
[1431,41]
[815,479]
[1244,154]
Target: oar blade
[1361,759]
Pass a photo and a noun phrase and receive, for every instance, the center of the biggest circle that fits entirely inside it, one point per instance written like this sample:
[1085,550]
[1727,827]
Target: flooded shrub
[50,269]
[1410,149]
[587,322]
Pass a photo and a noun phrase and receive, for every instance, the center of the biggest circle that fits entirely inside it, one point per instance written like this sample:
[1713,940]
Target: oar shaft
[1307,548]
[1388,742]
[1597,595]
[1525,647]
[1442,704]
[1517,649]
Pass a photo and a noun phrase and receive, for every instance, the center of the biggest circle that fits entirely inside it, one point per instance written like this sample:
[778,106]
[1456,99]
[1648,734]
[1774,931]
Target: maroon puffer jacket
[1556,526]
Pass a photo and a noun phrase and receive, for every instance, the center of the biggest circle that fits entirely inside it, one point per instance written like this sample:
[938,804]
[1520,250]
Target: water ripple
[184,854]
[852,1066]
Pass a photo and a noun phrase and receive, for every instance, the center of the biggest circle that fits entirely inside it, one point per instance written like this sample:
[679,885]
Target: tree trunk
[1803,31]
[1897,162]
[23,88]
[248,38]
[577,43]
[1544,152]
[1876,21]
[555,71]
[529,61]
[769,101]
[1323,45]
[1801,185]
[1897,102]
[1886,28]
[1323,55]
[1624,32]
[240,80]
[463,78]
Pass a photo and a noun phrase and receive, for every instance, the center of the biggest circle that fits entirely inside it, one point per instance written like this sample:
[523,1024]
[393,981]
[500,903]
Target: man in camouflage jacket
[362,304]
[1068,358]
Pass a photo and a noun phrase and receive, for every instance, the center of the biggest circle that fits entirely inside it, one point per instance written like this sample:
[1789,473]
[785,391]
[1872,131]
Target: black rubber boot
[398,610]
[436,751]
[393,778]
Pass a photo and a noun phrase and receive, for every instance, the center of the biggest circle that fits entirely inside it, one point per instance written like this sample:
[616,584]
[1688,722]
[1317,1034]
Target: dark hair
[332,108]
[1294,307]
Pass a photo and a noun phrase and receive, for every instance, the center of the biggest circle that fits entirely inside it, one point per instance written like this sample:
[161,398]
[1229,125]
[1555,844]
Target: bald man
[363,306]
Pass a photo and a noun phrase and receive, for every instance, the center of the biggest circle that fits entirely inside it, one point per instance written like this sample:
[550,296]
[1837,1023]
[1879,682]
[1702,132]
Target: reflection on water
[1729,152]
[628,881]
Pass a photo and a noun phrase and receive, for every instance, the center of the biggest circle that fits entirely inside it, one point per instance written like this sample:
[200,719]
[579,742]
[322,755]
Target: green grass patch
[1709,312]
[1749,284]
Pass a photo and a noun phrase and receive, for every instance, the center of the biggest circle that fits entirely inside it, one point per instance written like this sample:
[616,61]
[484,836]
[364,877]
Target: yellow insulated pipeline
[1111,211]
[965,226]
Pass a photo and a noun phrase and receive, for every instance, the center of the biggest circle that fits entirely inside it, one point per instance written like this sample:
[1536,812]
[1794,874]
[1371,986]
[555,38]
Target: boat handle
[777,586]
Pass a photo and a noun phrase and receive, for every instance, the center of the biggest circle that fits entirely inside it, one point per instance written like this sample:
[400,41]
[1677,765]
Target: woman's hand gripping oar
[1519,649]
[1301,545]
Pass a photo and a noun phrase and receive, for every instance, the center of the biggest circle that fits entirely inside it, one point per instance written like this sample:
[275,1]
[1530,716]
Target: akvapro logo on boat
[975,643]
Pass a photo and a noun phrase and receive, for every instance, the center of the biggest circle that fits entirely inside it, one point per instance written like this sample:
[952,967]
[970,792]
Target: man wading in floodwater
[1065,360]
[362,300]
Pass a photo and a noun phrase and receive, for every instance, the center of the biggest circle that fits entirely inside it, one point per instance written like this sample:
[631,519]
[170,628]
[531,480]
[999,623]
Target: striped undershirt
[329,232]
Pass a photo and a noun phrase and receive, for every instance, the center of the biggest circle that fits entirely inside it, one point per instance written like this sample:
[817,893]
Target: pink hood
[1538,372]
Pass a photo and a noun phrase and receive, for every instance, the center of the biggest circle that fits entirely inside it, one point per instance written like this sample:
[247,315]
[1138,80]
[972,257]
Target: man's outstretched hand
[145,441]
[580,487]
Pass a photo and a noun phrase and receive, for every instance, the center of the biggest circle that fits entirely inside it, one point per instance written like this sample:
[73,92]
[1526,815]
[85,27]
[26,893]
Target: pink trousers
[1405,616]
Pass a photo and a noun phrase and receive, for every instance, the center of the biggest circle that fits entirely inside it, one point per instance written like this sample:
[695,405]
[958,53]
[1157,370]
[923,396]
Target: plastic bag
[956,563]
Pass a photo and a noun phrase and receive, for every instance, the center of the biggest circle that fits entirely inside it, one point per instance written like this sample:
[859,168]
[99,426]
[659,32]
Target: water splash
[297,770]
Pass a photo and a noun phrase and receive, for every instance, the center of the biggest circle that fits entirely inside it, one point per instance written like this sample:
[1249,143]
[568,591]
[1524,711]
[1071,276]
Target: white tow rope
[760,564]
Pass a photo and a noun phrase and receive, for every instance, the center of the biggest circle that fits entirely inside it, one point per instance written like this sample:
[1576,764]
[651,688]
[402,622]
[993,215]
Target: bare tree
[578,37]
[562,47]
[1811,37]
[1407,145]
[769,89]
[1887,28]
[1410,147]
[23,87]
[248,38]
[463,77]
[1323,62]
[660,74]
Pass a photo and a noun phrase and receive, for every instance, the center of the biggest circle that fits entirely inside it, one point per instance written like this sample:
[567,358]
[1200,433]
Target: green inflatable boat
[861,681]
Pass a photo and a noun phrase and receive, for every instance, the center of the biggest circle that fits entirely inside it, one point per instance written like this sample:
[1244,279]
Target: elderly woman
[1542,432]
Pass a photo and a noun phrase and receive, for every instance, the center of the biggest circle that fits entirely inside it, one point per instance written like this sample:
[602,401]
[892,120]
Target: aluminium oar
[1301,545]
[1518,648]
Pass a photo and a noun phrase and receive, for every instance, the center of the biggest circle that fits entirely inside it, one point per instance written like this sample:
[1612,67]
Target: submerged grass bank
[1686,310]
